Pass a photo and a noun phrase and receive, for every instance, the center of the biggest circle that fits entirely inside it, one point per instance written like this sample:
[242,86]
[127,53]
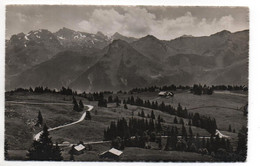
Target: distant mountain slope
[59,71]
[122,67]
[117,36]
[153,48]
[225,45]
[39,58]
[74,40]
[26,50]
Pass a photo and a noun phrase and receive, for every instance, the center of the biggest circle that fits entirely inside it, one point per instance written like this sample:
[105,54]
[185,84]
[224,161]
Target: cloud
[21,17]
[162,22]
[133,22]
[139,22]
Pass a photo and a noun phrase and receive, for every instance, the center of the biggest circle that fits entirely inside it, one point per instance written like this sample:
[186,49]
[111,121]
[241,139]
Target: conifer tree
[167,144]
[142,114]
[75,104]
[110,99]
[57,153]
[190,132]
[160,142]
[81,105]
[43,148]
[117,103]
[152,115]
[179,109]
[229,128]
[159,126]
[184,132]
[189,123]
[125,106]
[175,121]
[88,116]
[40,119]
[181,121]
[71,152]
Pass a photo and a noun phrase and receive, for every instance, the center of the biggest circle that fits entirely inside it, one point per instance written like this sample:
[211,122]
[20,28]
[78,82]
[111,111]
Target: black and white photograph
[115,83]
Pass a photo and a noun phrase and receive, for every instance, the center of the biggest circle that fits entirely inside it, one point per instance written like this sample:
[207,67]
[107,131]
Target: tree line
[197,89]
[200,90]
[198,120]
[205,89]
[157,88]
[139,132]
[125,130]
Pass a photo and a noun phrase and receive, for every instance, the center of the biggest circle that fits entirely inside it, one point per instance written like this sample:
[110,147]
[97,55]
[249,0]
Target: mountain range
[95,62]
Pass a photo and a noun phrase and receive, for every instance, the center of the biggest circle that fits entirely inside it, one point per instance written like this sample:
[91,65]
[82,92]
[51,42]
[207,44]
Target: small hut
[113,154]
[79,149]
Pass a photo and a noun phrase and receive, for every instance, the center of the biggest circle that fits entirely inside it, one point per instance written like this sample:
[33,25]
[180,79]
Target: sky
[164,22]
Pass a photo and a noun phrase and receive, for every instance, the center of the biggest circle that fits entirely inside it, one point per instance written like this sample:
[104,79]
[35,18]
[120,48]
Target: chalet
[79,149]
[113,154]
[165,94]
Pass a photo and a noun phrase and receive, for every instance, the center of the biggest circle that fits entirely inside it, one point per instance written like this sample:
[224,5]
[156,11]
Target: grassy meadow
[20,122]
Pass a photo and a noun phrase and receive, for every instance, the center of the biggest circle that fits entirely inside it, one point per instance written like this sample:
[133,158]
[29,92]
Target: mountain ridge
[119,64]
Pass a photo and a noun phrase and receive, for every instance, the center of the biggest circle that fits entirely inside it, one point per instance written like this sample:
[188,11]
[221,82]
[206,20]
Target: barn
[113,154]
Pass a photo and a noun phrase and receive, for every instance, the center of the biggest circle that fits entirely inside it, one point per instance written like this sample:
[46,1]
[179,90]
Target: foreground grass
[20,120]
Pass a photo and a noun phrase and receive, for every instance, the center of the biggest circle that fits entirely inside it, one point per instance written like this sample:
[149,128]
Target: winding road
[90,107]
[37,136]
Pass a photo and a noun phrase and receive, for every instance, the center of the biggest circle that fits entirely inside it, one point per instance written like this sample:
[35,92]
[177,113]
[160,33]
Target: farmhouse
[79,149]
[111,154]
[165,94]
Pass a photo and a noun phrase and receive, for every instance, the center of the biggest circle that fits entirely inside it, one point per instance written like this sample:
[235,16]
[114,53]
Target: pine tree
[175,121]
[88,116]
[40,119]
[81,105]
[179,110]
[167,145]
[57,153]
[43,148]
[159,118]
[75,104]
[117,103]
[110,99]
[190,132]
[71,152]
[160,142]
[184,132]
[189,123]
[229,128]
[30,89]
[142,114]
[152,115]
[181,121]
[159,126]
